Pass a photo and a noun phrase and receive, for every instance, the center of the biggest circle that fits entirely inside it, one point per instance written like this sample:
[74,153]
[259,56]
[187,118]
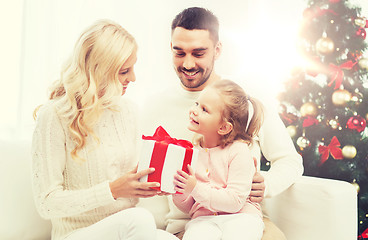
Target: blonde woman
[216,196]
[84,145]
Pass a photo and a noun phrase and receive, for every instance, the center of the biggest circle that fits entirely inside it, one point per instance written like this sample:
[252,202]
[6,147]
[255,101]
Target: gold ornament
[341,97]
[366,116]
[360,21]
[356,98]
[303,142]
[325,46]
[356,185]
[349,151]
[308,109]
[291,130]
[363,63]
[334,123]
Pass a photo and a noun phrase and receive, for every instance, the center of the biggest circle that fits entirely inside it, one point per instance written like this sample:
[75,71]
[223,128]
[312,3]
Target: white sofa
[311,209]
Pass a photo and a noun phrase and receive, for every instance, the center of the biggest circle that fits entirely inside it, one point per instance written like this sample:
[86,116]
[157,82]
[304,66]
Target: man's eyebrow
[194,50]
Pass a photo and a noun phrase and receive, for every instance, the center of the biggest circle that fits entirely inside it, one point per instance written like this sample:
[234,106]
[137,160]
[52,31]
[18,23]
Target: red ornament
[334,1]
[332,148]
[356,123]
[361,33]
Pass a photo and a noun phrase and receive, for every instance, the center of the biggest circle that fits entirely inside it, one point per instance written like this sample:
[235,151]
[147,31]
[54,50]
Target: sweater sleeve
[230,199]
[183,202]
[49,159]
[278,148]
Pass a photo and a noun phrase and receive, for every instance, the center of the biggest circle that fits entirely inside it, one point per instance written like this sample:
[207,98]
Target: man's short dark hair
[197,18]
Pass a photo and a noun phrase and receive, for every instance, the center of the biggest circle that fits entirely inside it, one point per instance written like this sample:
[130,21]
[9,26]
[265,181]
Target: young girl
[84,145]
[216,195]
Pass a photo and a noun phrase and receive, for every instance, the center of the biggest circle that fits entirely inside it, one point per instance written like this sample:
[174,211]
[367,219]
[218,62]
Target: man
[195,47]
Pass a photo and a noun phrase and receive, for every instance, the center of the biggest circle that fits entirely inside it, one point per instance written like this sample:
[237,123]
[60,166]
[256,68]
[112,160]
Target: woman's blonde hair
[236,112]
[89,79]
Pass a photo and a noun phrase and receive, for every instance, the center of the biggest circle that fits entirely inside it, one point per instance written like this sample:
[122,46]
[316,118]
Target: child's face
[205,117]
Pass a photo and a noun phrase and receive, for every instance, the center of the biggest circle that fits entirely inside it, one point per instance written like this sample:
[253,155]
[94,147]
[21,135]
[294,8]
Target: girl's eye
[204,109]
[124,72]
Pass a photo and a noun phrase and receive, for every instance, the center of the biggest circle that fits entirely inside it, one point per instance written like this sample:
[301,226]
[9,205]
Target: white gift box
[167,159]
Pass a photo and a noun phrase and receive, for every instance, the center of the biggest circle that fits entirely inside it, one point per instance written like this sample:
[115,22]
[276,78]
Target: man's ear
[218,50]
[225,128]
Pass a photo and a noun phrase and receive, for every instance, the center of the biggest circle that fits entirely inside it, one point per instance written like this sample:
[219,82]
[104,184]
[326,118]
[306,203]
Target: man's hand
[258,186]
[128,186]
[184,182]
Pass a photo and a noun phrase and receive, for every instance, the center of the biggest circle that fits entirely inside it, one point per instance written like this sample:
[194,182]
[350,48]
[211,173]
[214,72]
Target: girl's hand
[128,186]
[184,182]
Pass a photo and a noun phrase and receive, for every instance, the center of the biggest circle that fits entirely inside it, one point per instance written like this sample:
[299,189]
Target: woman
[84,145]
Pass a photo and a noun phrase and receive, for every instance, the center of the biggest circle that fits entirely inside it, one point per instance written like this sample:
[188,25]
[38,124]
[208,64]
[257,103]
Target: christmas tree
[325,102]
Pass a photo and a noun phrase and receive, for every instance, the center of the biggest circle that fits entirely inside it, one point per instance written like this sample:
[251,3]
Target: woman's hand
[128,186]
[184,182]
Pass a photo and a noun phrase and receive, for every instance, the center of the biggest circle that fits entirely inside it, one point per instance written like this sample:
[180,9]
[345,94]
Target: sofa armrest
[315,208]
[19,218]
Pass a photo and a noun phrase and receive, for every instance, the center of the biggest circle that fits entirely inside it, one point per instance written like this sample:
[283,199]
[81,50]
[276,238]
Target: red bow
[337,73]
[332,148]
[162,136]
[309,121]
[364,235]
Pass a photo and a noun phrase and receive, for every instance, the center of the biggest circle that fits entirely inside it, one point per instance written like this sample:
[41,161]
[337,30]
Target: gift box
[167,155]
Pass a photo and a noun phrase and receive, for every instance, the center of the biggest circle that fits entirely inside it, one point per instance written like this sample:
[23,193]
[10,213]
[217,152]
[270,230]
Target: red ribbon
[309,121]
[332,148]
[337,73]
[162,136]
[163,140]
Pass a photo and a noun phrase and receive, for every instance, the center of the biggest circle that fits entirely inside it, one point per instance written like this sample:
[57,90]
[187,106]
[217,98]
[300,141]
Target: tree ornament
[291,130]
[363,63]
[340,97]
[349,151]
[360,21]
[334,123]
[332,148]
[357,123]
[334,1]
[356,185]
[309,109]
[366,116]
[356,98]
[361,33]
[325,46]
[303,142]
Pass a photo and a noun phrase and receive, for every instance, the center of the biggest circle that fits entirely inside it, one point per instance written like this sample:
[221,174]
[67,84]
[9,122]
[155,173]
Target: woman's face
[126,72]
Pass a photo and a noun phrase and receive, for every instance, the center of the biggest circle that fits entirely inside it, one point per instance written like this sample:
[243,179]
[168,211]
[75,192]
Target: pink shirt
[224,180]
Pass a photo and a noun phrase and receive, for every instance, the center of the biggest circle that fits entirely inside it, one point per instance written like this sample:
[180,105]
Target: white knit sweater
[76,194]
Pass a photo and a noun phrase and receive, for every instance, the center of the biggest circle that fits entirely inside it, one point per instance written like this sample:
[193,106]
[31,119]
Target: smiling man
[195,48]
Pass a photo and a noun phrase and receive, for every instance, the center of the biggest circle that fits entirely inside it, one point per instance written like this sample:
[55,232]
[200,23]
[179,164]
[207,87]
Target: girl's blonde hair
[89,79]
[236,111]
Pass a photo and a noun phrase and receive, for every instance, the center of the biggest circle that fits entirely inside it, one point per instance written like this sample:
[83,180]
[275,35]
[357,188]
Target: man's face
[194,55]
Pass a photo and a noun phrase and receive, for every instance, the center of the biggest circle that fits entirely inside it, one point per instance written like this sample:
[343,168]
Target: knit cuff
[103,194]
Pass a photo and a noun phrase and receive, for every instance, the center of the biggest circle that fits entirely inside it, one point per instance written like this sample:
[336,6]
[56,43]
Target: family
[85,143]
